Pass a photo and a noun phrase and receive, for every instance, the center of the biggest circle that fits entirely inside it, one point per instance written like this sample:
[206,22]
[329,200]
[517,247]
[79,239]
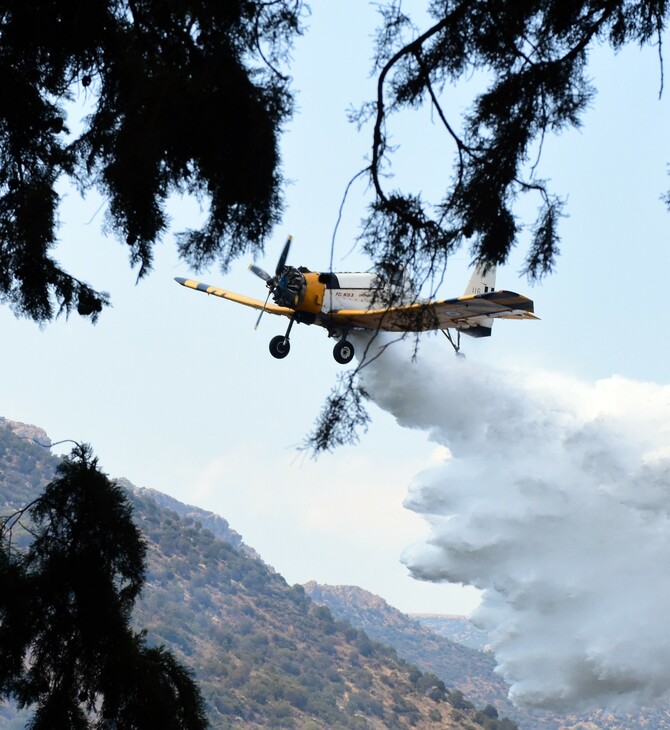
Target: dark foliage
[342,416]
[186,98]
[66,646]
[533,56]
[260,649]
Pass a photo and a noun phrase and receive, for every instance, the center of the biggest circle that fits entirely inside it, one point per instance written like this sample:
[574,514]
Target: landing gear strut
[280,345]
[456,345]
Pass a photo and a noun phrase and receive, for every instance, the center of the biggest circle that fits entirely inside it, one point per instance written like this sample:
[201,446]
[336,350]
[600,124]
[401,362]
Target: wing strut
[456,345]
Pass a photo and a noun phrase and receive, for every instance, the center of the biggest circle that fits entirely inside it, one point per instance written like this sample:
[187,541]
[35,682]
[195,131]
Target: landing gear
[343,352]
[456,345]
[279,346]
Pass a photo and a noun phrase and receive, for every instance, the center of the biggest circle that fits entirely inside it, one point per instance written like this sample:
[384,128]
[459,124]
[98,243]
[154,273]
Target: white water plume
[555,504]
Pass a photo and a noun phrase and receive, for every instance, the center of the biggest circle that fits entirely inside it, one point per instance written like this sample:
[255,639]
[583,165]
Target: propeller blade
[260,272]
[258,321]
[284,256]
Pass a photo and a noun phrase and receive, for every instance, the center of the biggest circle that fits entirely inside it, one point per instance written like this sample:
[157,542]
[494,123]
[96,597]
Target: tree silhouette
[66,646]
[532,60]
[187,97]
[190,97]
[531,57]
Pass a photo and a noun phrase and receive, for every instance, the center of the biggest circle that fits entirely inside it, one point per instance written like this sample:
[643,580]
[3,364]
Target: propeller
[284,255]
[258,321]
[260,272]
[271,281]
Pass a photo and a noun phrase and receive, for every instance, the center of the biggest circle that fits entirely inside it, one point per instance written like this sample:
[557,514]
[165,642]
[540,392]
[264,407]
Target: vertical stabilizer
[481,282]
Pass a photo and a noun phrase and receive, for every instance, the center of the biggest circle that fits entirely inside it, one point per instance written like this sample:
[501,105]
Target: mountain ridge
[264,654]
[252,662]
[468,670]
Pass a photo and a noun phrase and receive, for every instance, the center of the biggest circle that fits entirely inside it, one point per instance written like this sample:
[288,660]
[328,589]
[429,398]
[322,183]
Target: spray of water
[554,502]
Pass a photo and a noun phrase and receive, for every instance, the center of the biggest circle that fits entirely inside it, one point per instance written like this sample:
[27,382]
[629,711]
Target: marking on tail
[480,282]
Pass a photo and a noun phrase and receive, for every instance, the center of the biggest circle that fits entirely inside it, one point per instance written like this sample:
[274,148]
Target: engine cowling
[290,287]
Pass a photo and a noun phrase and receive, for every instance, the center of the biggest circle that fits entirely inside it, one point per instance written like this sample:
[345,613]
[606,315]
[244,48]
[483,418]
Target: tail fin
[481,281]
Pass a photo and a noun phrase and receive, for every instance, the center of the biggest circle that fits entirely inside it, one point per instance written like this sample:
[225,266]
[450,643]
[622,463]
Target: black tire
[343,352]
[279,347]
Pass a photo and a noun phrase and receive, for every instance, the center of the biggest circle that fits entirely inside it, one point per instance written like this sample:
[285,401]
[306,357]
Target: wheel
[279,346]
[343,352]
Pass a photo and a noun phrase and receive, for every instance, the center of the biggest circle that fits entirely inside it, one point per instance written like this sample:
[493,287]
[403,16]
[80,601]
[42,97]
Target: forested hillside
[263,653]
[462,667]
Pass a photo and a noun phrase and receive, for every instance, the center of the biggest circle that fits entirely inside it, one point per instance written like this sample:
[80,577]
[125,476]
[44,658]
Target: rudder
[481,281]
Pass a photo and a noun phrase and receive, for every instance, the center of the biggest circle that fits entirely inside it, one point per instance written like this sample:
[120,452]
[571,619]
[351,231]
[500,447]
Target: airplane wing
[471,314]
[239,298]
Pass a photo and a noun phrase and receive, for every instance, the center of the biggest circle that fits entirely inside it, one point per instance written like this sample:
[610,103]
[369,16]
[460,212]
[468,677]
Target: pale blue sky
[177,392]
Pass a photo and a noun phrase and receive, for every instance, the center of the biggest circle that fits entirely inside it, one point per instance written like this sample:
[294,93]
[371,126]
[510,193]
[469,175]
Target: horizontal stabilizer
[477,331]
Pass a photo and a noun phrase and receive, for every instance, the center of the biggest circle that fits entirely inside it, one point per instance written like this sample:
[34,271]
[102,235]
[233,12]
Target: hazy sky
[177,392]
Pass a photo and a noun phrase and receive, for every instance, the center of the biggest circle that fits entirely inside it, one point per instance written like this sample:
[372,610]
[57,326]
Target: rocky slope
[264,654]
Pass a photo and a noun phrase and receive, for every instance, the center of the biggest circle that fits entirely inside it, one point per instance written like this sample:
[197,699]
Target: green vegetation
[67,651]
[467,673]
[461,668]
[191,98]
[27,467]
[263,653]
[184,98]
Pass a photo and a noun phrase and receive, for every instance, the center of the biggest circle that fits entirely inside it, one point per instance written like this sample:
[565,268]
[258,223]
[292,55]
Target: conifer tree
[68,650]
[529,61]
[186,97]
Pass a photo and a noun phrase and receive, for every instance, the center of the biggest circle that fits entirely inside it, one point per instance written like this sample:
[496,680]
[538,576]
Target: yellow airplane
[342,302]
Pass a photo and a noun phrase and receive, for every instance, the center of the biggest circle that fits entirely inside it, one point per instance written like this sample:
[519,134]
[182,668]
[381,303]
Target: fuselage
[351,291]
[324,293]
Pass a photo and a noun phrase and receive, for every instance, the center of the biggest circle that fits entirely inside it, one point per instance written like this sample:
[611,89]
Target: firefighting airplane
[342,302]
